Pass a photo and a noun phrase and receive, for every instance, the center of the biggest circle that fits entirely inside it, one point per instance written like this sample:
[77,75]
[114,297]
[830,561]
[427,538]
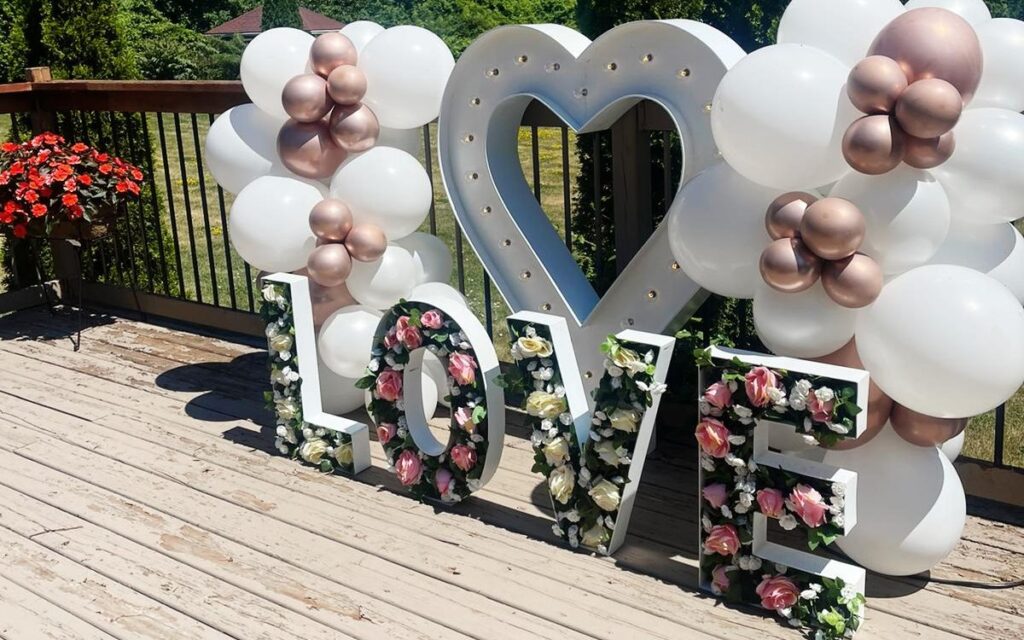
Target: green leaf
[479,413]
[365,382]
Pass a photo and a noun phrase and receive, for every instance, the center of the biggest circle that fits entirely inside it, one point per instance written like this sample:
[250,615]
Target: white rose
[595,537]
[533,347]
[270,292]
[281,342]
[605,495]
[624,420]
[561,482]
[541,404]
[629,360]
[313,450]
[556,452]
[343,454]
[788,522]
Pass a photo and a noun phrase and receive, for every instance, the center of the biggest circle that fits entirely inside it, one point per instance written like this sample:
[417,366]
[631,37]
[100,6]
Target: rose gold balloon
[785,212]
[306,149]
[354,129]
[330,220]
[787,265]
[929,108]
[852,282]
[329,51]
[346,85]
[925,431]
[305,98]
[874,145]
[328,265]
[366,242]
[875,84]
[879,404]
[933,43]
[928,154]
[833,228]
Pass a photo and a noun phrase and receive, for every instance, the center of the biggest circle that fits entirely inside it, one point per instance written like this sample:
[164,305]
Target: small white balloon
[269,222]
[911,507]
[1002,83]
[842,28]
[361,32]
[338,394]
[346,338]
[431,255]
[431,290]
[386,187]
[801,325]
[906,213]
[984,178]
[716,230]
[272,59]
[953,447]
[974,11]
[241,146]
[996,250]
[383,282]
[408,140]
[780,114]
[406,69]
[945,341]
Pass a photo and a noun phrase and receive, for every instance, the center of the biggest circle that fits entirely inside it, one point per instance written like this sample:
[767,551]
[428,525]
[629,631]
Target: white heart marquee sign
[589,85]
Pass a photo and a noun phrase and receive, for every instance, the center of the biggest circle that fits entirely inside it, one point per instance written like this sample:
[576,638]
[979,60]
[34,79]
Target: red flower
[136,174]
[31,196]
[121,187]
[69,199]
[133,187]
[85,179]
[79,147]
[20,231]
[105,168]
[9,206]
[70,185]
[17,169]
[74,159]
[101,157]
[38,210]
[9,147]
[76,211]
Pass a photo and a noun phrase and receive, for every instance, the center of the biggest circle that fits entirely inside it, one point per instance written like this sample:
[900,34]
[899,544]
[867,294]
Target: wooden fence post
[631,185]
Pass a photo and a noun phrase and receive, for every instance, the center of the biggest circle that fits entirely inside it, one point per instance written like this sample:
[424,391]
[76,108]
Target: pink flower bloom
[777,592]
[389,385]
[442,479]
[386,431]
[407,334]
[716,494]
[771,502]
[462,366]
[807,503]
[713,437]
[820,411]
[718,395]
[408,468]
[464,418]
[463,457]
[723,540]
[719,580]
[758,381]
[432,319]
[390,338]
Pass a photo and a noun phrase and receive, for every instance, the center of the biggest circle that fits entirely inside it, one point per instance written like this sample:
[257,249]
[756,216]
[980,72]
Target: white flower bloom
[839,520]
[282,431]
[848,592]
[809,594]
[742,411]
[776,395]
[810,440]
[785,612]
[838,489]
[825,394]
[737,440]
[307,433]
[615,372]
[572,515]
[788,522]
[838,428]
[706,462]
[705,523]
[726,512]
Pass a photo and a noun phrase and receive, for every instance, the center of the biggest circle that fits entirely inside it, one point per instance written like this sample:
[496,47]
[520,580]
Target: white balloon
[907,215]
[974,11]
[434,369]
[911,507]
[802,325]
[386,187]
[346,338]
[408,140]
[780,114]
[431,255]
[269,222]
[406,70]
[338,395]
[1002,83]
[953,447]
[361,32]
[984,178]
[945,341]
[996,250]
[431,290]
[383,282]
[272,59]
[842,28]
[241,146]
[716,230]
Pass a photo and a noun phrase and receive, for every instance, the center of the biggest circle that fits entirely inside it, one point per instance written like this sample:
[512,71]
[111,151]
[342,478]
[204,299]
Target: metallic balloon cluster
[339,242]
[327,120]
[921,70]
[819,239]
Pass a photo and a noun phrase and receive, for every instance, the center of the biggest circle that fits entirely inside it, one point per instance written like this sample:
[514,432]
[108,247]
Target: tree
[281,13]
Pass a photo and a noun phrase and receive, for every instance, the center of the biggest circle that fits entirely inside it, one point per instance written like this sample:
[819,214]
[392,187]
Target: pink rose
[758,381]
[719,579]
[716,494]
[462,366]
[771,502]
[807,503]
[464,418]
[391,338]
[463,457]
[777,592]
[723,540]
[407,334]
[713,437]
[386,431]
[389,385]
[432,319]
[408,468]
[718,395]
[820,411]
[442,479]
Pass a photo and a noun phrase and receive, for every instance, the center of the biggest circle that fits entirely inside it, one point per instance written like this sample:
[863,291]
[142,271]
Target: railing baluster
[999,436]
[428,159]
[134,158]
[227,241]
[460,259]
[155,201]
[666,160]
[188,209]
[488,311]
[566,188]
[598,230]
[112,239]
[116,147]
[170,207]
[535,157]
[206,213]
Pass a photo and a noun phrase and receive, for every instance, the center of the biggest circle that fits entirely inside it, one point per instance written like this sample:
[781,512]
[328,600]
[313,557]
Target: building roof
[250,23]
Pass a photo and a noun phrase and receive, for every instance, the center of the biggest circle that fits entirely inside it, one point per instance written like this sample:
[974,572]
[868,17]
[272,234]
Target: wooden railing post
[631,186]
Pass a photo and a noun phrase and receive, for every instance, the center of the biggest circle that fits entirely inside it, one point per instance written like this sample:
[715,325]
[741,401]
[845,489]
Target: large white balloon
[974,11]
[406,70]
[431,255]
[1002,83]
[381,283]
[907,215]
[716,230]
[269,222]
[434,369]
[843,28]
[338,395]
[911,507]
[953,447]
[780,114]
[386,187]
[272,59]
[408,140]
[346,338]
[945,341]
[801,325]
[241,146]
[431,290]
[984,178]
[361,32]
[996,250]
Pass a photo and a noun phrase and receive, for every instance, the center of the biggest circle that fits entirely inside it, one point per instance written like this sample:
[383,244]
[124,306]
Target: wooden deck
[140,498]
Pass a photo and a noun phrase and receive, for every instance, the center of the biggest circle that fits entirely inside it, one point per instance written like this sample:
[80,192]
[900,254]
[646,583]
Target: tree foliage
[281,13]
